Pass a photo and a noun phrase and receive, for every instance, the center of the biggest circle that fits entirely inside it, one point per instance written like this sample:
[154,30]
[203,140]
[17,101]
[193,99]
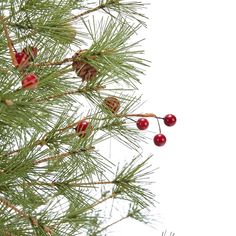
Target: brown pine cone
[83,69]
[112,103]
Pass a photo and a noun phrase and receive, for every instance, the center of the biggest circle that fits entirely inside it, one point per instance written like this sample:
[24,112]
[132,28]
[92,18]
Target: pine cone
[83,69]
[112,103]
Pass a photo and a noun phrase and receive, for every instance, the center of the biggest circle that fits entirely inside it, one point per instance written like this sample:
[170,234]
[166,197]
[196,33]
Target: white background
[192,46]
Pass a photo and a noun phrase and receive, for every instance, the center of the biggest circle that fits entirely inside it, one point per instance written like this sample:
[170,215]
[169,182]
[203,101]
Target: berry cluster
[112,104]
[23,59]
[159,139]
[84,128]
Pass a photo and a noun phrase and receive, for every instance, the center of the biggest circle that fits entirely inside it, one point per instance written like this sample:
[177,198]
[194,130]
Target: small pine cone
[112,103]
[83,69]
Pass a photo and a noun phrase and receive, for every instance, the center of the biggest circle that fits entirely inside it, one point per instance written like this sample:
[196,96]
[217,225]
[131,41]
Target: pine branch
[85,185]
[63,155]
[34,222]
[129,180]
[121,7]
[112,224]
[73,92]
[53,63]
[9,42]
[104,199]
[50,174]
[99,7]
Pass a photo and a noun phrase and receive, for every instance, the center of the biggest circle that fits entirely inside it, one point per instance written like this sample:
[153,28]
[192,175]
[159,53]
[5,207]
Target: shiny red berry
[22,59]
[159,139]
[82,127]
[169,120]
[30,81]
[142,123]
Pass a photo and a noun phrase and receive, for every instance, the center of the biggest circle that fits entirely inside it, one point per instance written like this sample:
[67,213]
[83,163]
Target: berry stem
[131,119]
[138,115]
[159,126]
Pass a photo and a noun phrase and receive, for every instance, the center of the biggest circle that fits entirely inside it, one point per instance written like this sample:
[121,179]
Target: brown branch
[151,115]
[34,222]
[63,155]
[115,222]
[53,63]
[73,92]
[53,184]
[138,115]
[103,199]
[43,141]
[79,57]
[88,12]
[9,42]
[99,201]
[8,204]
[40,142]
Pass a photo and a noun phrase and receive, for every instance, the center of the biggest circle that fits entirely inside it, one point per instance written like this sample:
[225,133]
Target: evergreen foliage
[52,180]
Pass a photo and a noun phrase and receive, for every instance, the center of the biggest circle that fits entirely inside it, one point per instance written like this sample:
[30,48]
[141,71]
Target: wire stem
[159,126]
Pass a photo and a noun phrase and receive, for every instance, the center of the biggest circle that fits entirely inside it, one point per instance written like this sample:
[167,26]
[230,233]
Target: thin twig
[73,92]
[103,199]
[71,184]
[88,12]
[115,222]
[43,142]
[99,201]
[8,204]
[34,222]
[151,115]
[9,42]
[53,63]
[63,155]
[138,115]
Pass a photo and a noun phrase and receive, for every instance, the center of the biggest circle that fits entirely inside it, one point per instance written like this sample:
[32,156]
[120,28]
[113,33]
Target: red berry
[142,123]
[82,127]
[30,81]
[159,139]
[22,59]
[169,120]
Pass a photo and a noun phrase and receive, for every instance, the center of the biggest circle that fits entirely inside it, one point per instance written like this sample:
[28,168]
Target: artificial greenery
[52,180]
